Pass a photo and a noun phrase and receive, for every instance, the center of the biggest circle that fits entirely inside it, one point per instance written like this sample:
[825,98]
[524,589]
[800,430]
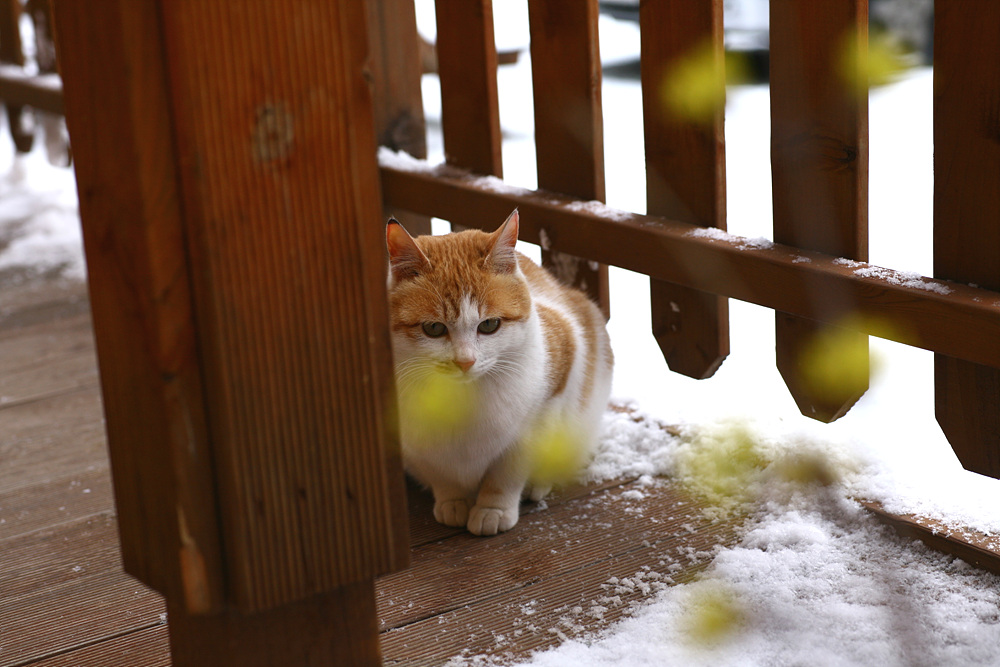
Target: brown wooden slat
[819,167]
[32,445]
[55,500]
[59,556]
[973,547]
[78,613]
[467,67]
[685,173]
[12,52]
[144,648]
[964,322]
[45,358]
[569,124]
[396,87]
[967,211]
[396,70]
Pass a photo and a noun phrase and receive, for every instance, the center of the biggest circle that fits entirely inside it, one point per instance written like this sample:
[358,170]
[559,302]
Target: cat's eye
[435,329]
[489,326]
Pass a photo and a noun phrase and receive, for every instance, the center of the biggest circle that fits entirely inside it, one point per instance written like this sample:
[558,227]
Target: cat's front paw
[452,512]
[491,520]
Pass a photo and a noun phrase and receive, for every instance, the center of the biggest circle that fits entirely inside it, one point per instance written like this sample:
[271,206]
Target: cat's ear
[502,257]
[405,258]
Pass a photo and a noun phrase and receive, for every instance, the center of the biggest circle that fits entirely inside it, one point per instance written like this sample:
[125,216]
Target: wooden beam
[819,168]
[952,318]
[229,195]
[569,124]
[685,166]
[116,95]
[967,210]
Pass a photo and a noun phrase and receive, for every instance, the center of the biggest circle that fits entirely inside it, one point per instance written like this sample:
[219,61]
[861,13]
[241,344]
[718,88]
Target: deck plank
[149,647]
[546,579]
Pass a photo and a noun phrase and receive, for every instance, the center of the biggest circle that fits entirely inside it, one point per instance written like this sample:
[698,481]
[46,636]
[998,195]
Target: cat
[501,370]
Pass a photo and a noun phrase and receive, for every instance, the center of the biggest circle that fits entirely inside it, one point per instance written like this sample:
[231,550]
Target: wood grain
[819,168]
[467,67]
[116,95]
[685,173]
[569,123]
[967,211]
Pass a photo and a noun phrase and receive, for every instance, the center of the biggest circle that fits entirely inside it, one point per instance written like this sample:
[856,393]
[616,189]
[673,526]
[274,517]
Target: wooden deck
[576,563]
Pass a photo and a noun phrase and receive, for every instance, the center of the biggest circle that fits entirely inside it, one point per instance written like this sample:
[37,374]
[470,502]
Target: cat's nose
[465,364]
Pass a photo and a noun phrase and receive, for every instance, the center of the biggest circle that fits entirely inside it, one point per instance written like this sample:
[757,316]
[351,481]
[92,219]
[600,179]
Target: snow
[814,578]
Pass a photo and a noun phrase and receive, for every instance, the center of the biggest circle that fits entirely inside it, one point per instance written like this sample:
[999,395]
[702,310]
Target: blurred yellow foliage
[557,452]
[712,613]
[695,87]
[837,362]
[876,63]
[436,406]
[720,466]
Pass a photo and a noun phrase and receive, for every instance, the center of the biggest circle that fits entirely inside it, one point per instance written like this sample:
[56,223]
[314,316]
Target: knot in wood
[273,133]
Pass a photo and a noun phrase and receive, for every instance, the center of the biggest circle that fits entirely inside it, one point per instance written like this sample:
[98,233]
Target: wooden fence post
[569,130]
[819,170]
[467,67]
[685,171]
[225,160]
[398,100]
[967,210]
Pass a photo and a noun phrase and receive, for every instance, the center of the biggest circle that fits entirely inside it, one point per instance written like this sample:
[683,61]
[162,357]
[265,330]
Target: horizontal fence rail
[950,318]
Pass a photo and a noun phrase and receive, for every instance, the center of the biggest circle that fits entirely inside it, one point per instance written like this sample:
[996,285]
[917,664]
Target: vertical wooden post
[225,160]
[685,172]
[398,100]
[467,67]
[569,130]
[819,165]
[967,210]
[12,53]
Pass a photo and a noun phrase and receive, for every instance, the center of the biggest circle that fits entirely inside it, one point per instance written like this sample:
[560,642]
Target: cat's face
[458,303]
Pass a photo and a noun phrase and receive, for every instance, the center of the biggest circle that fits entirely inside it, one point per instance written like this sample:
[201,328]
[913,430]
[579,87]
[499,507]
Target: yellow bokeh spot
[720,466]
[712,614]
[435,407]
[863,65]
[694,89]
[836,362]
[557,453]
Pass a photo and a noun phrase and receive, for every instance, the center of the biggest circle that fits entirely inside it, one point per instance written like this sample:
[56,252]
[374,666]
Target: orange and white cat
[495,360]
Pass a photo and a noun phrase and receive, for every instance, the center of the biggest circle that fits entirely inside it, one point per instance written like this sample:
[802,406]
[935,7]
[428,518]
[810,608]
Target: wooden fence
[225,158]
[815,275]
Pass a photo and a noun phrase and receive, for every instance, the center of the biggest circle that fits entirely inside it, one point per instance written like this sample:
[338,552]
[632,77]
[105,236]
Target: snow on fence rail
[815,275]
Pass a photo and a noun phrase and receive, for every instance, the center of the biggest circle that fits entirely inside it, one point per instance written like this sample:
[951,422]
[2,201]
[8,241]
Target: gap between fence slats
[819,167]
[951,318]
[967,211]
[467,67]
[569,131]
[685,168]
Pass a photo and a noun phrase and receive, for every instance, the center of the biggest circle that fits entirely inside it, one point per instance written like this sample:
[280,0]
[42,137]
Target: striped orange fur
[495,361]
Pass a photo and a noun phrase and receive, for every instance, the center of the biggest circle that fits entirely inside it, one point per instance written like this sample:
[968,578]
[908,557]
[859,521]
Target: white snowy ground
[814,580]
